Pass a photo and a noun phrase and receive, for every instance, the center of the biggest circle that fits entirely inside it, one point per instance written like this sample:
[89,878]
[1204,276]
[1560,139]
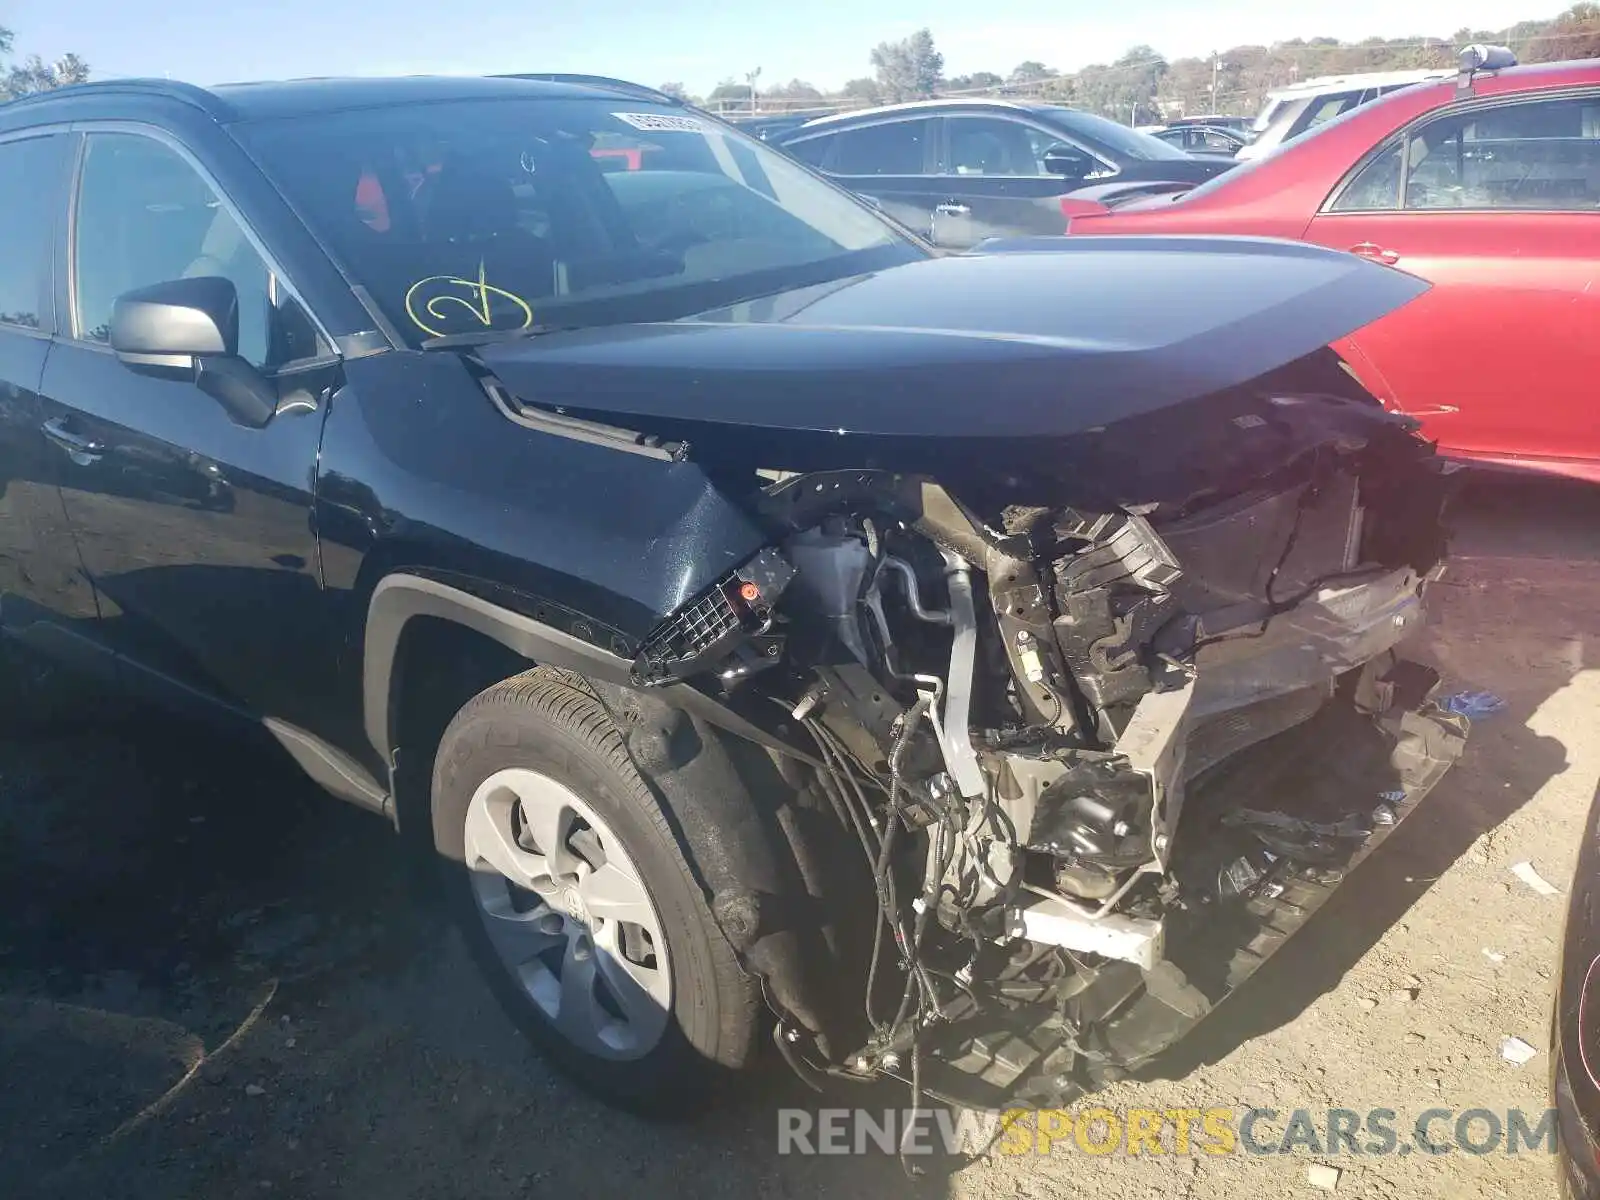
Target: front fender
[433,500]
[399,598]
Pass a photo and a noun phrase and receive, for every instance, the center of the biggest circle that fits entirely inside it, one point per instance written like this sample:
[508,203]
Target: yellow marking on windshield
[478,305]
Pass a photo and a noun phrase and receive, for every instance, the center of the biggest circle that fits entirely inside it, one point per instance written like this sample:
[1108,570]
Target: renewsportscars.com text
[1177,1131]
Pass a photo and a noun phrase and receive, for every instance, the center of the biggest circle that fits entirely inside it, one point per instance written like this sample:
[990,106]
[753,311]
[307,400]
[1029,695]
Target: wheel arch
[503,642]
[402,597]
[763,868]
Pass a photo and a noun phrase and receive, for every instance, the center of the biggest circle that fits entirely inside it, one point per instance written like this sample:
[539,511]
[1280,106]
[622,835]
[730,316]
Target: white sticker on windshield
[661,122]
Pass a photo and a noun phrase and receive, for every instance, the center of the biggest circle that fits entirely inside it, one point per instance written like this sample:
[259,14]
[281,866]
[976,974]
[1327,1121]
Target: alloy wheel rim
[568,914]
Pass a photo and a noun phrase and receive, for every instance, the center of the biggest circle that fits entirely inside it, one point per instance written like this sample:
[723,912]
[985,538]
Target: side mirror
[189,329]
[1062,159]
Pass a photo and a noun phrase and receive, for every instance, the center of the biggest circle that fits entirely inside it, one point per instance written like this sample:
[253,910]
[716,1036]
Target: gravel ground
[216,982]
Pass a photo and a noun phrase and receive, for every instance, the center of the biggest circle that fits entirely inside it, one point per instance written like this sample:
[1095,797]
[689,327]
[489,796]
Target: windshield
[1269,113]
[1121,140]
[480,217]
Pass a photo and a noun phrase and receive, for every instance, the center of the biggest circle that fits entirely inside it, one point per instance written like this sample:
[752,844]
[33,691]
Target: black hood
[1045,338]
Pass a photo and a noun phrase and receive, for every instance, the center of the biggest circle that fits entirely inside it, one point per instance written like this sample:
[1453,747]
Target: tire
[543,735]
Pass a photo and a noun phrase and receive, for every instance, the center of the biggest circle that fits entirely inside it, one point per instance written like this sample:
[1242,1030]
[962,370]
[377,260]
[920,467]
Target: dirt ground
[215,982]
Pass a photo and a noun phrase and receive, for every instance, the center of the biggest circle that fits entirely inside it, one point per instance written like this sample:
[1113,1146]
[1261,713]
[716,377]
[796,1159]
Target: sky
[695,42]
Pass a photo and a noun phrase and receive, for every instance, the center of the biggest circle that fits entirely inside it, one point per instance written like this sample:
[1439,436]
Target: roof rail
[637,90]
[185,93]
[1479,57]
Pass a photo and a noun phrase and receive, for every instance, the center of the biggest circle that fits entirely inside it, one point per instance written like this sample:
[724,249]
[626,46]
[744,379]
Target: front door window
[146,216]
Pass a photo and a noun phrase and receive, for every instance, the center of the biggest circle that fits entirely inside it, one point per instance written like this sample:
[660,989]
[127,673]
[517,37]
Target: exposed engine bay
[1105,723]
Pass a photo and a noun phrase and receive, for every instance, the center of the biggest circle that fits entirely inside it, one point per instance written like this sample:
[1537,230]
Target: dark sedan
[961,171]
[771,127]
[1207,141]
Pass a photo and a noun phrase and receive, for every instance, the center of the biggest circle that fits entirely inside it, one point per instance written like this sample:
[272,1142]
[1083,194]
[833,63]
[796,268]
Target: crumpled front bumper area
[1265,838]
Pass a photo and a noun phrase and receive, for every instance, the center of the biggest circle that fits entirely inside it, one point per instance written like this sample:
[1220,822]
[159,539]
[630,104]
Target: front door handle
[952,210]
[1375,252]
[84,451]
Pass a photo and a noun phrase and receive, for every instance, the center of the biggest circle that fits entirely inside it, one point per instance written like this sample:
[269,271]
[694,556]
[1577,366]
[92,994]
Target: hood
[1040,338]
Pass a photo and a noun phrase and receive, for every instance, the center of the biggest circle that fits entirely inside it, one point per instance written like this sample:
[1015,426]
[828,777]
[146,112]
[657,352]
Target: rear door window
[30,175]
[1213,140]
[1376,186]
[889,148]
[1534,155]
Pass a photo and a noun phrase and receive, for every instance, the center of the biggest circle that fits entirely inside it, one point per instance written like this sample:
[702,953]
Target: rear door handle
[1375,252]
[84,451]
[952,210]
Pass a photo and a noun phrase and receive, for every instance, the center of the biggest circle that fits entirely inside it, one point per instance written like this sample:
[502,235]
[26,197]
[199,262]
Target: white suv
[1291,111]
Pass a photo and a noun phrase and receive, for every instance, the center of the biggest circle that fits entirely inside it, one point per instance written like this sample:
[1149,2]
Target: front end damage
[1100,757]
[1099,700]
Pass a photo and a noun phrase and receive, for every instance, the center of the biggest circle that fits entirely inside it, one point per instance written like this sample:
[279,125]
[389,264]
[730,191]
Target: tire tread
[562,702]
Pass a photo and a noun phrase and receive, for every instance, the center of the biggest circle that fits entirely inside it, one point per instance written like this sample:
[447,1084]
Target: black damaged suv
[961,666]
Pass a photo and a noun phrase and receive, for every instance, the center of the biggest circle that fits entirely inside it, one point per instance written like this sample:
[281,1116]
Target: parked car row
[960,171]
[1206,141]
[1485,182]
[1486,186]
[1299,108]
[957,171]
[1287,113]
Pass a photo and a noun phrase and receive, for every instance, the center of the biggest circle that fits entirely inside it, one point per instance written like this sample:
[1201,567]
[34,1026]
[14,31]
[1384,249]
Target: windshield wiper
[485,337]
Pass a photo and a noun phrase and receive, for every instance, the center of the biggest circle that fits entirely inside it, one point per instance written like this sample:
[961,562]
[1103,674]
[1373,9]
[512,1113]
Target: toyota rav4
[961,669]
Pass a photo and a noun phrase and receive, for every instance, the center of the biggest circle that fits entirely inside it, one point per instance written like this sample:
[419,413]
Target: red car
[1488,186]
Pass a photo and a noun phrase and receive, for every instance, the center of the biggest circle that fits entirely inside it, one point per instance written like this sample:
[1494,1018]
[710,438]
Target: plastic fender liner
[779,876]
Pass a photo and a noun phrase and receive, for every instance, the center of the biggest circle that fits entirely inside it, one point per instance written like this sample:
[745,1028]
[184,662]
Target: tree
[911,69]
[1126,90]
[35,75]
[731,96]
[1031,72]
[795,89]
[1142,86]
[863,89]
[1574,34]
[975,82]
[675,90]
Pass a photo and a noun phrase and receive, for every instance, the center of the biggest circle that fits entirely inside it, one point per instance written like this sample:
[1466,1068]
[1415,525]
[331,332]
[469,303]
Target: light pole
[1216,70]
[751,78]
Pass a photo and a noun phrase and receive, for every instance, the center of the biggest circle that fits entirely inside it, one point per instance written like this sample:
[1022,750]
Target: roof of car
[997,102]
[295,97]
[1529,77]
[1538,75]
[1341,83]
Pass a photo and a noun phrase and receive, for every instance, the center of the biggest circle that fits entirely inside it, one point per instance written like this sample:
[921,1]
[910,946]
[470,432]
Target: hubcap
[567,913]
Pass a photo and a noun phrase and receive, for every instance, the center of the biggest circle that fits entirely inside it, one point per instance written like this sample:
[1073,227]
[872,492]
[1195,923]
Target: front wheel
[578,902]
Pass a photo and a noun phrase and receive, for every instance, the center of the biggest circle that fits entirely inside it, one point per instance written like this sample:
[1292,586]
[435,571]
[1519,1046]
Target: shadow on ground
[218,982]
[1514,614]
